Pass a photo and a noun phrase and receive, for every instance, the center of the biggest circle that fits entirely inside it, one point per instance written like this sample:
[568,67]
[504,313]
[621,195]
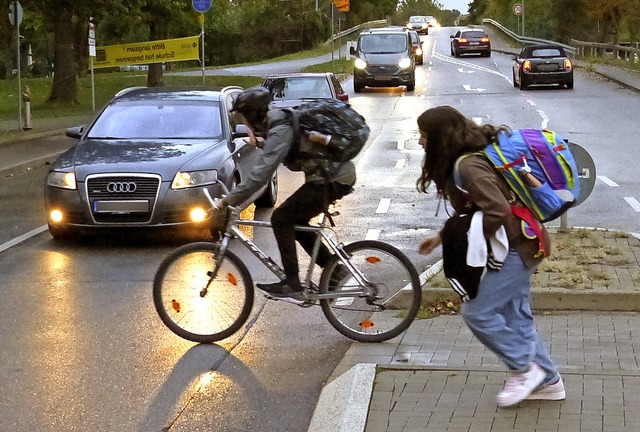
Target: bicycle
[204,292]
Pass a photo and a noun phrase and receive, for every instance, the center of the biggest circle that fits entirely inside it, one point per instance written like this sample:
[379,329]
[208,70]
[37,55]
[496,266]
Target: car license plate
[474,43]
[548,67]
[382,78]
[129,206]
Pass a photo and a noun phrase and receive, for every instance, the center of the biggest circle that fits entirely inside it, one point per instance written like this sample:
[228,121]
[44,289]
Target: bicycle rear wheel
[392,278]
[197,305]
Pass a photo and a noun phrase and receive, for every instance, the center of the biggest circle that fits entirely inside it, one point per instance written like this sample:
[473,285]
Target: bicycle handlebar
[224,188]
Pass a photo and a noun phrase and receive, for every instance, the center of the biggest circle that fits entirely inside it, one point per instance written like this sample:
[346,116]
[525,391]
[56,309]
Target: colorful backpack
[545,155]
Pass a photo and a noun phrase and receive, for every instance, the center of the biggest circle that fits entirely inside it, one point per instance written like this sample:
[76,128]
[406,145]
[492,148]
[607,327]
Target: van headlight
[360,64]
[187,179]
[64,180]
[404,63]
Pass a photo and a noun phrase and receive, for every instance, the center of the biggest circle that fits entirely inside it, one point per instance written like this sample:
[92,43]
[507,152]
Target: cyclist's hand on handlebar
[218,204]
[430,244]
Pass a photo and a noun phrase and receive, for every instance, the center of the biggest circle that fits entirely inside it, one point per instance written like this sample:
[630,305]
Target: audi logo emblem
[121,187]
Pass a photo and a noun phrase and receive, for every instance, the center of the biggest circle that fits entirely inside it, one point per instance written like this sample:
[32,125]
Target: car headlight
[187,179]
[404,63]
[360,64]
[64,180]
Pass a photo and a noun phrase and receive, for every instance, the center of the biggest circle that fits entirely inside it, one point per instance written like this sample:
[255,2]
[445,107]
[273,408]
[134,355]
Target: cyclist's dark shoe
[338,277]
[283,291]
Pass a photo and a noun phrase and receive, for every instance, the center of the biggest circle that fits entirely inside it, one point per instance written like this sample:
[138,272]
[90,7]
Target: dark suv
[384,58]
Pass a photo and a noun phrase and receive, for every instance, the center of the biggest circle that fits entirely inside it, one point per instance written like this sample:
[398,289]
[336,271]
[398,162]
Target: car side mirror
[343,97]
[451,36]
[352,50]
[75,132]
[241,131]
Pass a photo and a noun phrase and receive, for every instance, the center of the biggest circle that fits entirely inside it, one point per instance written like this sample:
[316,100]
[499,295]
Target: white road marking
[530,102]
[477,120]
[461,70]
[400,145]
[467,87]
[608,181]
[383,205]
[373,234]
[635,205]
[545,119]
[22,238]
[400,164]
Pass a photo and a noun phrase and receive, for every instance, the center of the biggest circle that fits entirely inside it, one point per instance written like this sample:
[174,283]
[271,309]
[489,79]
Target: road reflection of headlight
[404,63]
[360,64]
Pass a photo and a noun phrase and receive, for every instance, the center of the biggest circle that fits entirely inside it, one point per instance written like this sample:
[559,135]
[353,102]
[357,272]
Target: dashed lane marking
[606,180]
[635,205]
[373,234]
[383,205]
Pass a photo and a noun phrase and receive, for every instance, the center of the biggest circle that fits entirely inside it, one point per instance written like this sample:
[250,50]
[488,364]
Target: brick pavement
[438,377]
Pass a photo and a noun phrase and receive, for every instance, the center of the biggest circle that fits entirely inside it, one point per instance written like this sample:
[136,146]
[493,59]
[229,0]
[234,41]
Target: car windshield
[383,43]
[159,119]
[299,88]
[416,19]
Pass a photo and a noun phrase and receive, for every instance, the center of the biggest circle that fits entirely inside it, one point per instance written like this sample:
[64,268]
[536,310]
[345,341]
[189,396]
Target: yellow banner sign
[342,5]
[159,51]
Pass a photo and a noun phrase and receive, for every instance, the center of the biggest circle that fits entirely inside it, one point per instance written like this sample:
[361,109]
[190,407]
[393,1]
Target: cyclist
[325,182]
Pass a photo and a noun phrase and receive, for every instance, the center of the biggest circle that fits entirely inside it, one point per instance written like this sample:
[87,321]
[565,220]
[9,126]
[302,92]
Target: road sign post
[92,54]
[201,6]
[15,18]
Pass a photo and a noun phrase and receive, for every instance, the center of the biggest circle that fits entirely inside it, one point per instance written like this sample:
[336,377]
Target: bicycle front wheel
[196,304]
[394,286]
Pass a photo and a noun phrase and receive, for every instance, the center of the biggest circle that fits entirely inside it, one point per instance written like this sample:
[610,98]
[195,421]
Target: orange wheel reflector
[175,305]
[366,324]
[373,260]
[232,279]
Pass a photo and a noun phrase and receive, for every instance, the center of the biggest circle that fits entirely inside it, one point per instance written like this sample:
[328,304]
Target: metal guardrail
[603,50]
[355,29]
[525,39]
[579,48]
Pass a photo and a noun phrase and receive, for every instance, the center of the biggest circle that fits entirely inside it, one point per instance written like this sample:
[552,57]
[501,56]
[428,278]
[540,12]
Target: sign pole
[202,43]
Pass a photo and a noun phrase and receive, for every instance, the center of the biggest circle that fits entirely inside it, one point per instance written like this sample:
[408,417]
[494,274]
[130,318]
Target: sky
[461,5]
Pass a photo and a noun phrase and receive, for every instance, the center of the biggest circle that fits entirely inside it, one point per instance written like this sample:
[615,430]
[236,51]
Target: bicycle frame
[232,231]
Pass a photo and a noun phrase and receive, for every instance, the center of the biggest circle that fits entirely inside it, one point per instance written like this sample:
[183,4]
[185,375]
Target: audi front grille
[122,198]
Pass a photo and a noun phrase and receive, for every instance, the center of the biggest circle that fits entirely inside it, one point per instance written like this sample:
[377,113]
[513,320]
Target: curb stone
[344,403]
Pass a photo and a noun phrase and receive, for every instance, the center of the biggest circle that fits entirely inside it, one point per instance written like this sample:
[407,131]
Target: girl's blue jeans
[500,317]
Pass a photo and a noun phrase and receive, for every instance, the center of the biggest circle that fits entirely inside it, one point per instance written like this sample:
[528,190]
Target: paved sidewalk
[438,377]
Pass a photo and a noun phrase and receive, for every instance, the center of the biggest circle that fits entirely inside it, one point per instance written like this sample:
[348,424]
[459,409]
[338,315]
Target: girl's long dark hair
[449,135]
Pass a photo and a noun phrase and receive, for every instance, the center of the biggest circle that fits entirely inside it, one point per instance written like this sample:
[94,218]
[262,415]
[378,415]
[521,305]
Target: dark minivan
[384,58]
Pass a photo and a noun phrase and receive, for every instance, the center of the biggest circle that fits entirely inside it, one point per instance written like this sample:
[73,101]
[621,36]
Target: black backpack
[348,129]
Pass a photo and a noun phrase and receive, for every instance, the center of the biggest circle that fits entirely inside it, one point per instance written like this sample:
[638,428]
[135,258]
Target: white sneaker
[550,392]
[519,386]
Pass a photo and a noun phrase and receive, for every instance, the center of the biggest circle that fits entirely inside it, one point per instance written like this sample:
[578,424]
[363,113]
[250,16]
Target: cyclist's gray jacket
[275,148]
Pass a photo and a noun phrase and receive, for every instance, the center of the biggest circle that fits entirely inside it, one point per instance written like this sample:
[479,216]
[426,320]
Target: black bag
[348,129]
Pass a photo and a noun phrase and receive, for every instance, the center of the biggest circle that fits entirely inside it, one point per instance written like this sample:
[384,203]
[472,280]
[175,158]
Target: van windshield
[383,43]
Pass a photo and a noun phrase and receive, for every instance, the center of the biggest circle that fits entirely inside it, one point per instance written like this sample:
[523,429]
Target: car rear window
[381,43]
[473,34]
[298,88]
[547,52]
[158,120]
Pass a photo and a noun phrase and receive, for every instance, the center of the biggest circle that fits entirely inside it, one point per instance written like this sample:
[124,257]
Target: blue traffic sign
[201,5]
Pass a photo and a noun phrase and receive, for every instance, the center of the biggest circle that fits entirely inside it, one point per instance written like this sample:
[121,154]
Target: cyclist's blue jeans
[500,317]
